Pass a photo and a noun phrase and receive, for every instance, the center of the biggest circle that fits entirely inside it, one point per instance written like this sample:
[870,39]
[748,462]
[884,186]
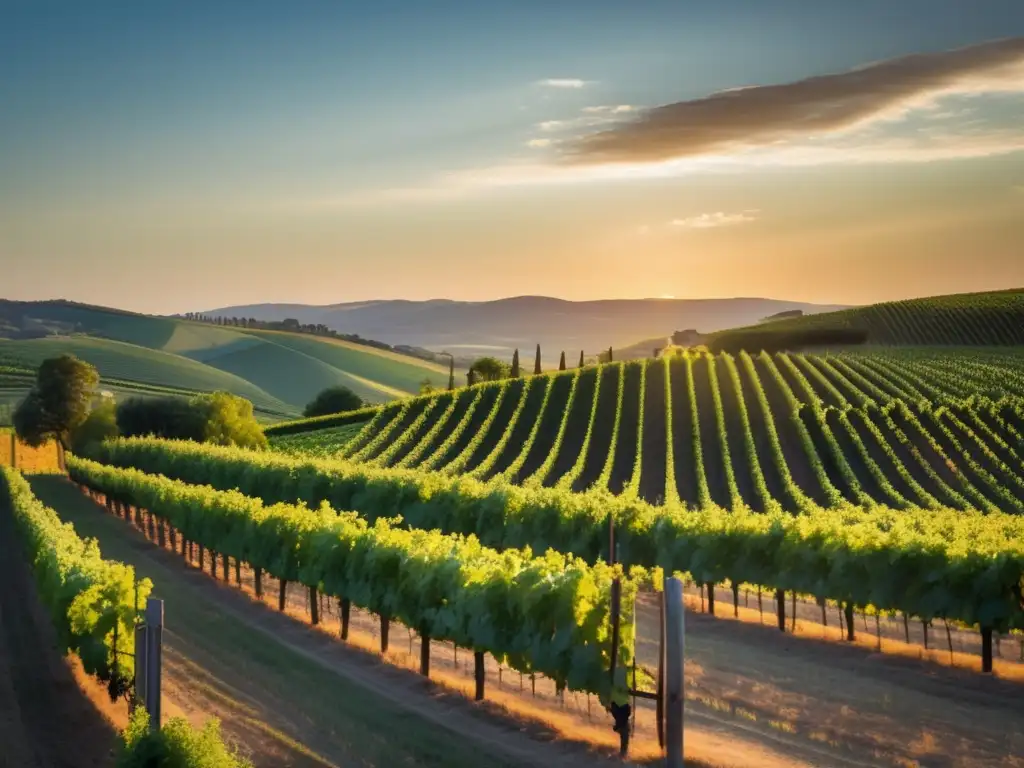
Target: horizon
[162,158]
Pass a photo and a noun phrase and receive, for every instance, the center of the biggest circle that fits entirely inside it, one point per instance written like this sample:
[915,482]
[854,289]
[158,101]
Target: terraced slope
[903,428]
[965,319]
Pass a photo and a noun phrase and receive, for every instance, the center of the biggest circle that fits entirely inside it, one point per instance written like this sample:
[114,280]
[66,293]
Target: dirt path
[262,671]
[852,703]
[46,720]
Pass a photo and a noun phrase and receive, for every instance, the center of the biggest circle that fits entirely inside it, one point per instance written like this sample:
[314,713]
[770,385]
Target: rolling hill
[496,327]
[967,319]
[905,428]
[280,372]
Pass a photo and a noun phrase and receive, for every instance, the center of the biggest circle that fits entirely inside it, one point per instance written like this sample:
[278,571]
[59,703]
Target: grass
[119,360]
[279,371]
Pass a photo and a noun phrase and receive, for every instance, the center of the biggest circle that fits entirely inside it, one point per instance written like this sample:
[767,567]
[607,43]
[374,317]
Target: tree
[515,364]
[59,402]
[489,369]
[470,377]
[220,418]
[536,362]
[451,375]
[228,420]
[610,358]
[333,400]
[427,386]
[561,362]
[582,363]
[99,425]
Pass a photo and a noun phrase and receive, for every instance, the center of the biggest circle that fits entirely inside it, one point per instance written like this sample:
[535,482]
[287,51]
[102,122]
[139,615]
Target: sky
[166,157]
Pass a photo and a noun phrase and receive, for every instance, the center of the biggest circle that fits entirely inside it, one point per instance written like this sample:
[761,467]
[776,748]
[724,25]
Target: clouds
[562,82]
[759,116]
[716,219]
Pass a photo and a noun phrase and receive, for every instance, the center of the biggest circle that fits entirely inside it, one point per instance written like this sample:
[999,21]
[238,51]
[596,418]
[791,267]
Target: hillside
[280,372]
[967,319]
[906,428]
[496,327]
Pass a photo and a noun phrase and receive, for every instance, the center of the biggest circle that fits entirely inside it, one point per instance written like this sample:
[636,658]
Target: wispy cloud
[562,82]
[609,109]
[717,219]
[538,143]
[760,116]
[553,125]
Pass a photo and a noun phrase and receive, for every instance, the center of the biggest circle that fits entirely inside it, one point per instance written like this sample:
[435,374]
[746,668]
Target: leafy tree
[333,400]
[561,362]
[515,364]
[228,420]
[99,425]
[171,417]
[582,363]
[489,369]
[220,418]
[536,362]
[58,403]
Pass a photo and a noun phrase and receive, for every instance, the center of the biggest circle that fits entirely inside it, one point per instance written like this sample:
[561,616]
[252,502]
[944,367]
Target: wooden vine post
[672,692]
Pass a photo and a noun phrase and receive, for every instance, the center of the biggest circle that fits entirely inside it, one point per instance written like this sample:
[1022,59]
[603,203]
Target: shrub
[333,400]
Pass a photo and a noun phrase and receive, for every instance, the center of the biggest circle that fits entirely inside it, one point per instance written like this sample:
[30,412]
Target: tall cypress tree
[515,364]
[470,377]
[536,362]
[561,362]
[451,375]
[610,354]
[581,359]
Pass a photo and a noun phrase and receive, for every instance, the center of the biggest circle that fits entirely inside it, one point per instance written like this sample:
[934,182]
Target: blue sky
[164,156]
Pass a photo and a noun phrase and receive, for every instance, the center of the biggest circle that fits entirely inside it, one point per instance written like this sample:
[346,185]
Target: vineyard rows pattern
[763,432]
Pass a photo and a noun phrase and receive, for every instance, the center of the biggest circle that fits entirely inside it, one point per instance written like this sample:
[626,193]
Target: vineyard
[764,432]
[966,319]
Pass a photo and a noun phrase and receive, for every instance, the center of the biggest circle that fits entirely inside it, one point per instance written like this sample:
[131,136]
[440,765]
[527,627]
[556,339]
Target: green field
[280,372]
[968,319]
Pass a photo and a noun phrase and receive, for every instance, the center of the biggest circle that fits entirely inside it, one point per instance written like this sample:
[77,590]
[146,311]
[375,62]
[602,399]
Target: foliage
[427,388]
[176,745]
[59,402]
[491,369]
[561,362]
[220,418]
[322,422]
[536,362]
[548,614]
[339,399]
[87,596]
[933,563]
[99,425]
[514,372]
[228,420]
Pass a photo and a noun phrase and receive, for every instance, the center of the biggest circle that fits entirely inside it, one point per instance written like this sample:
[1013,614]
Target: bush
[333,400]
[489,369]
[99,425]
[175,745]
[220,418]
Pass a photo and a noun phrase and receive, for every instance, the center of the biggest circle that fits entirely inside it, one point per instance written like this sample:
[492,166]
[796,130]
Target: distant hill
[279,372]
[994,318]
[496,327]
